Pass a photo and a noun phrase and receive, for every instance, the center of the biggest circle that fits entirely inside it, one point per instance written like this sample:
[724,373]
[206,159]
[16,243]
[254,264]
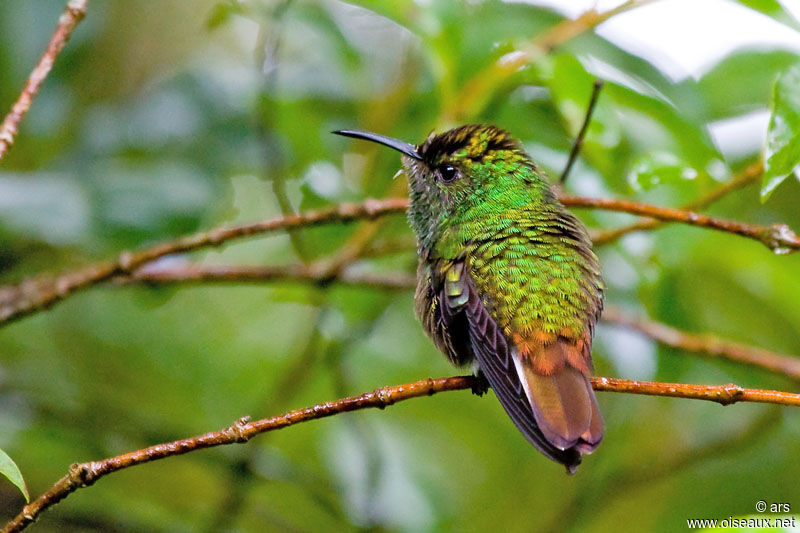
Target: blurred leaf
[773,9]
[10,470]
[656,168]
[571,88]
[153,124]
[783,135]
[219,15]
[48,207]
[743,81]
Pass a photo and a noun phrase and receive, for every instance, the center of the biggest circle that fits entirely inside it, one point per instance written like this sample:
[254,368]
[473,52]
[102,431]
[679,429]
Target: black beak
[404,148]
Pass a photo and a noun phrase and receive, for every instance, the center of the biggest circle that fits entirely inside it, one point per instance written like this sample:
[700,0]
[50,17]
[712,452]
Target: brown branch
[777,237]
[73,14]
[749,175]
[17,301]
[722,394]
[706,344]
[156,274]
[85,474]
[358,243]
[36,294]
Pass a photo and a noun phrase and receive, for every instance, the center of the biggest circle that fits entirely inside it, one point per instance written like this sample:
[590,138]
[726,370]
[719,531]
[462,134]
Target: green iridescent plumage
[507,278]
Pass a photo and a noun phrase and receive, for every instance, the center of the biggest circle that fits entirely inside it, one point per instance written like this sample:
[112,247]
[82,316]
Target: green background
[165,118]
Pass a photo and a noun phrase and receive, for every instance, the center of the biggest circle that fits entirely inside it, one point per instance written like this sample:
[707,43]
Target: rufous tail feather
[563,402]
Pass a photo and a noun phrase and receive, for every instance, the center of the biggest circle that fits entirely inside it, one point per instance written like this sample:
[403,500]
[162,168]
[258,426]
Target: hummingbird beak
[403,147]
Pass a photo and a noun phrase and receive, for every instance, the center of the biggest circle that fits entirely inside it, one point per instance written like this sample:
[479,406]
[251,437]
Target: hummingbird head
[463,174]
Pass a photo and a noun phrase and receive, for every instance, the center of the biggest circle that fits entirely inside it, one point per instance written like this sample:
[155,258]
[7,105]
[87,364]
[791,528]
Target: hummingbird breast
[534,271]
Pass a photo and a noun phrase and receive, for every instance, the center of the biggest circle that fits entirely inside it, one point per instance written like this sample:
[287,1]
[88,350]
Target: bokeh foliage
[165,118]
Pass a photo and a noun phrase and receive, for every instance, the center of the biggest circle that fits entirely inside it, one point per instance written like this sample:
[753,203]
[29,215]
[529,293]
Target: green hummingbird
[506,280]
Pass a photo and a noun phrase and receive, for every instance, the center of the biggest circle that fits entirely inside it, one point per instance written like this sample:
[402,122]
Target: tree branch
[85,474]
[777,237]
[36,294]
[706,344]
[750,174]
[17,301]
[187,272]
[722,394]
[73,14]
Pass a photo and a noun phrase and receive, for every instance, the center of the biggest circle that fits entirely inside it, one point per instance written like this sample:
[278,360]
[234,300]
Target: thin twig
[706,344]
[73,14]
[587,118]
[85,474]
[749,175]
[267,58]
[36,294]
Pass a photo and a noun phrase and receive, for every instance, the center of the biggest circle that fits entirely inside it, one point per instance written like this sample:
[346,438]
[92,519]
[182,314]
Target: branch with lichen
[73,14]
[30,296]
[85,474]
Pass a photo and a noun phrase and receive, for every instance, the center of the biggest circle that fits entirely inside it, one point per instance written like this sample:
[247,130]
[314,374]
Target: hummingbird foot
[480,384]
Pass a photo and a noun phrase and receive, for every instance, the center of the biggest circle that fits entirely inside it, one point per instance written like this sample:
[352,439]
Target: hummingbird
[506,281]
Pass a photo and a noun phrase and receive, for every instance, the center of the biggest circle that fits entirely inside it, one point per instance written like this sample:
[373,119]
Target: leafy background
[165,118]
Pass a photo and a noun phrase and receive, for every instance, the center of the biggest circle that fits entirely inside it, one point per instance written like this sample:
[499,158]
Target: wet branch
[85,474]
[721,394]
[73,14]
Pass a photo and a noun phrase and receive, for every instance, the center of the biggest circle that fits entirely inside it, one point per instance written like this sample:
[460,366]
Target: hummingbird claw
[480,384]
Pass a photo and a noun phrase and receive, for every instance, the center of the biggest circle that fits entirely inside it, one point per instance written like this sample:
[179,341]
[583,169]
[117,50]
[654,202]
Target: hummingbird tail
[563,402]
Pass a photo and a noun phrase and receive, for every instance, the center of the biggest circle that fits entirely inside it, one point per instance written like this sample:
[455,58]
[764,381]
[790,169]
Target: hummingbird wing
[465,317]
[530,297]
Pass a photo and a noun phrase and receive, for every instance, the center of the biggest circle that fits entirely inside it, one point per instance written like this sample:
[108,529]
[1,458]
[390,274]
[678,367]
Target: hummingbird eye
[447,173]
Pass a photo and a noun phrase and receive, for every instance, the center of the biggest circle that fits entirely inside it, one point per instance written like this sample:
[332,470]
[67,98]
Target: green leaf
[723,99]
[221,13]
[10,470]
[783,134]
[657,168]
[773,9]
